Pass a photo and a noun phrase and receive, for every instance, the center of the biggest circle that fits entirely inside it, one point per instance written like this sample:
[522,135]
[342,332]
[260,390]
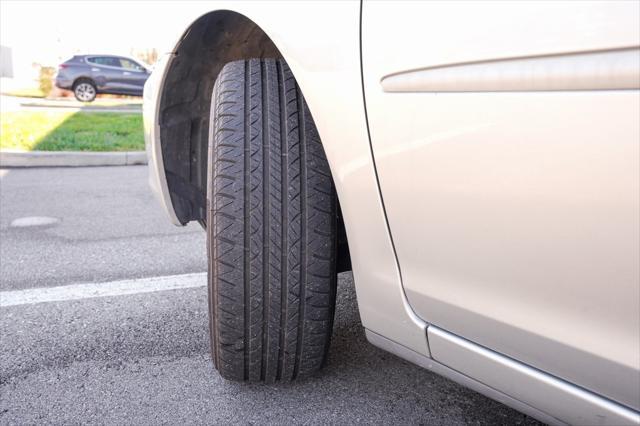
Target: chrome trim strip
[565,401]
[600,70]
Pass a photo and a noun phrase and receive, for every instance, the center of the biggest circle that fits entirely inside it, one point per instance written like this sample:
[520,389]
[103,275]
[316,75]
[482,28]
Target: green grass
[71,131]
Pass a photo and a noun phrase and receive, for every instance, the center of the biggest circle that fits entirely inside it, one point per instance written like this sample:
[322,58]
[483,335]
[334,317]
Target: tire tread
[271,233]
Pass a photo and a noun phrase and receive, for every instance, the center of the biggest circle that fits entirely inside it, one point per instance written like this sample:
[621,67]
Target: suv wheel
[85,91]
[271,227]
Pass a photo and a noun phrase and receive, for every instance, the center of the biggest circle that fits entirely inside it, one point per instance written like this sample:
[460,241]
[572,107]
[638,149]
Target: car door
[506,142]
[106,72]
[134,75]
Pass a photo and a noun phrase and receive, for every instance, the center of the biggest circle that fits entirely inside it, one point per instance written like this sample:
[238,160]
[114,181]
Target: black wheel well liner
[211,41]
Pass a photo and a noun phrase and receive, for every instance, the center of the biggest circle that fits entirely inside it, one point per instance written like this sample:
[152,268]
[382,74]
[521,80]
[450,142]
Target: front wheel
[85,91]
[271,227]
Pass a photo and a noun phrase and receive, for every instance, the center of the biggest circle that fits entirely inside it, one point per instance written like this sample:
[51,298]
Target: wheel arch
[211,41]
[86,78]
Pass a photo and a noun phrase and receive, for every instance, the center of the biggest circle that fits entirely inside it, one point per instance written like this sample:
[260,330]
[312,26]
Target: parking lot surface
[143,358]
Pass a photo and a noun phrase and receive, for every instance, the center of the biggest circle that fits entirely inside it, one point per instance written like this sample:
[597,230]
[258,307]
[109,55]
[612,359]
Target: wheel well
[80,79]
[212,41]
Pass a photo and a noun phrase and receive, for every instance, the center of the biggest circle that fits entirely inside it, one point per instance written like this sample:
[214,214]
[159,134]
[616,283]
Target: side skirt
[510,382]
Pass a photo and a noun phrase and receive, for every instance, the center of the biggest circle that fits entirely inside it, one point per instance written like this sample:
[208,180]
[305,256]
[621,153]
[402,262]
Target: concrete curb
[71,158]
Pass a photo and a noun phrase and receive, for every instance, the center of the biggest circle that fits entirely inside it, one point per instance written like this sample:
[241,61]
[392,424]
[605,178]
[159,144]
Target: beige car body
[486,158]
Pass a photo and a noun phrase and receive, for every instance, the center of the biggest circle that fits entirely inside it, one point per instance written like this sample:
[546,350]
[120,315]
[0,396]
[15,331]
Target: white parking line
[91,290]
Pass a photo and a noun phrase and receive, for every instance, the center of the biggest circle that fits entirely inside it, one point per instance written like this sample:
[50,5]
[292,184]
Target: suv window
[130,65]
[105,60]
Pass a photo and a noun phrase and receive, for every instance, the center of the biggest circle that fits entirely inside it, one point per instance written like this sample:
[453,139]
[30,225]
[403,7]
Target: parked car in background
[90,75]
[474,163]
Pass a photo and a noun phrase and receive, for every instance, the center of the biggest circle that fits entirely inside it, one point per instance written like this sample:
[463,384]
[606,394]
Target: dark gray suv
[89,75]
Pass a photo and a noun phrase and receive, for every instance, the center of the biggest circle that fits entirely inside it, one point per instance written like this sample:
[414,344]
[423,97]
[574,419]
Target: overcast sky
[49,32]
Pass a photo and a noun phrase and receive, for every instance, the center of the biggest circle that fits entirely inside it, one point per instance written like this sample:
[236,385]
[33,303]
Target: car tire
[85,90]
[271,227]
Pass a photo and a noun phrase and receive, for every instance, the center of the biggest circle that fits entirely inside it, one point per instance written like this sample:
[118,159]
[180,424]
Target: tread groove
[303,236]
[265,222]
[246,258]
[285,219]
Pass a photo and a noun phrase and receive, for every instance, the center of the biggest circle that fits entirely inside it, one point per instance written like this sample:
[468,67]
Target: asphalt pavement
[144,358]
[110,227]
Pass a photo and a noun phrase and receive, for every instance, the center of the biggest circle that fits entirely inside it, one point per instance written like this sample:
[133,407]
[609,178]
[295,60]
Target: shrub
[45,79]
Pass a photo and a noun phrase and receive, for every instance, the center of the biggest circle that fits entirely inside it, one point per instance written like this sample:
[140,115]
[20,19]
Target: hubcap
[85,92]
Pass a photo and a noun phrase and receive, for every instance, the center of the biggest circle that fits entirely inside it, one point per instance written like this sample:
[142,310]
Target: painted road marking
[91,290]
[33,221]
